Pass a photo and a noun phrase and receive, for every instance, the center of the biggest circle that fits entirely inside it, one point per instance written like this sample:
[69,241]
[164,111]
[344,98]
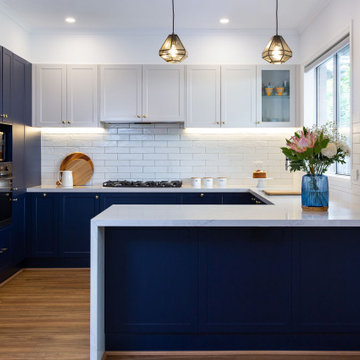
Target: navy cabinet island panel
[154,271]
[232,289]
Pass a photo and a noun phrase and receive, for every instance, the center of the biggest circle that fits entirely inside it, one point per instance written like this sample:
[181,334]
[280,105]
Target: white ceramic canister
[66,180]
[208,182]
[196,182]
[221,182]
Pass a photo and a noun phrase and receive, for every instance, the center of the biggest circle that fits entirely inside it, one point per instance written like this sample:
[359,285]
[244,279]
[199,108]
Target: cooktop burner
[143,184]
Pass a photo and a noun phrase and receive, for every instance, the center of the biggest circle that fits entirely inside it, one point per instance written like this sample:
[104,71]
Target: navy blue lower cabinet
[5,248]
[18,242]
[245,280]
[241,199]
[139,198]
[199,198]
[327,286]
[76,212]
[44,225]
[150,280]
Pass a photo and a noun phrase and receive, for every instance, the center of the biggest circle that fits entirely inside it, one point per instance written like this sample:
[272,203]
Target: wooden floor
[45,315]
[236,357]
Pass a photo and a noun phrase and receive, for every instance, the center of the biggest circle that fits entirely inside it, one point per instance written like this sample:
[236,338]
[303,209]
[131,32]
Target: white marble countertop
[100,189]
[284,211]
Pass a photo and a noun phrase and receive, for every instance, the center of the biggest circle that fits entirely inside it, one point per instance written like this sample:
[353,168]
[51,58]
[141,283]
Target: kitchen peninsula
[163,277]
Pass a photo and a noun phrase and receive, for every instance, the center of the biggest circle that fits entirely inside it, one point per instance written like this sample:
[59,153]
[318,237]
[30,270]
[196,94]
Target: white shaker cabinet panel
[203,96]
[121,92]
[238,96]
[163,93]
[82,95]
[50,95]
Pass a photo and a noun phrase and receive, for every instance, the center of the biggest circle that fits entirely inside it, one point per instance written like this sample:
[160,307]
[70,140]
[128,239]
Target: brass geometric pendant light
[173,51]
[277,50]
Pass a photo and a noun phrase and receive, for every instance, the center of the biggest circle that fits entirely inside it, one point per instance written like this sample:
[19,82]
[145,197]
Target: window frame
[333,54]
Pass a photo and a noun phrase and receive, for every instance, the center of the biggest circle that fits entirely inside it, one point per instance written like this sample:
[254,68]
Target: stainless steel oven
[5,193]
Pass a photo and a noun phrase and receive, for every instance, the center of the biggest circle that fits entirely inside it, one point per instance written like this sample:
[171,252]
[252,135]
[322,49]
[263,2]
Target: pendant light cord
[277,17]
[173,12]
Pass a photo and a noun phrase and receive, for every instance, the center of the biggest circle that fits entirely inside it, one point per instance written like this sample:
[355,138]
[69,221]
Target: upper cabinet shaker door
[82,95]
[121,87]
[276,96]
[203,96]
[50,95]
[163,93]
[238,96]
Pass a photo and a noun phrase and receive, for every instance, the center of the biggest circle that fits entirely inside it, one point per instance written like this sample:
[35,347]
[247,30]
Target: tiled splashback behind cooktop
[142,152]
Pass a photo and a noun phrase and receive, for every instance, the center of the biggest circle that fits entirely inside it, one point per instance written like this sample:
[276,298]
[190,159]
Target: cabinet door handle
[64,122]
[218,122]
[15,189]
[138,116]
[44,195]
[144,116]
[15,200]
[69,122]
[96,197]
[202,195]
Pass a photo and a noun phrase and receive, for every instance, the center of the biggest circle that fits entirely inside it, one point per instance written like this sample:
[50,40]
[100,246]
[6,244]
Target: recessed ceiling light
[224,21]
[70,20]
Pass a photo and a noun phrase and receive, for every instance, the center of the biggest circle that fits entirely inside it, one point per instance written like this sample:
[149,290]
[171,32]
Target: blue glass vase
[315,192]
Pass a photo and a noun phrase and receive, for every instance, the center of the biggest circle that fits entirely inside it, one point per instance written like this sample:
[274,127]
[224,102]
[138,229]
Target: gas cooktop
[143,184]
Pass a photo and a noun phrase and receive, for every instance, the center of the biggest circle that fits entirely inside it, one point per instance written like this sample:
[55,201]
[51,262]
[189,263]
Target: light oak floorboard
[235,357]
[45,315]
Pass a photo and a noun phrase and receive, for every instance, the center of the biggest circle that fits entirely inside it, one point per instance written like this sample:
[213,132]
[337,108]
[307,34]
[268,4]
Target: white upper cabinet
[65,95]
[120,93]
[82,95]
[149,93]
[276,96]
[238,96]
[203,96]
[163,93]
[50,95]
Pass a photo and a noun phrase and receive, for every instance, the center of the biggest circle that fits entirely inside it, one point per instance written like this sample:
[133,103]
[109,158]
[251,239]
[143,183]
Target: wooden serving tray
[282,192]
[81,165]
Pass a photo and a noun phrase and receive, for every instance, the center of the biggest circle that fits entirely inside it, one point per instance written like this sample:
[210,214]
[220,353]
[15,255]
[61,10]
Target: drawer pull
[44,195]
[96,197]
[15,200]
[202,195]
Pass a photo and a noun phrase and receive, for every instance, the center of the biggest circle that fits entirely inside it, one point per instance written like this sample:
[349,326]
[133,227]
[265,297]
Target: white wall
[14,37]
[206,47]
[334,21]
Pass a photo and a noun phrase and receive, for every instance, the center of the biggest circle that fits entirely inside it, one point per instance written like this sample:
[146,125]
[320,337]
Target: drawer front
[202,198]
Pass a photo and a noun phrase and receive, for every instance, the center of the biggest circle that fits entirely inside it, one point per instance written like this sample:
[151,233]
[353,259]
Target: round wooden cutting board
[81,166]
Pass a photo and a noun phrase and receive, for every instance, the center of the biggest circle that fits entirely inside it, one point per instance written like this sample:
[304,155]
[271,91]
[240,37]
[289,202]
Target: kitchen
[184,163]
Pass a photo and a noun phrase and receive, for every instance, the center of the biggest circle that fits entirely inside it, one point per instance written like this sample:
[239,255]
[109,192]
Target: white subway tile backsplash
[163,151]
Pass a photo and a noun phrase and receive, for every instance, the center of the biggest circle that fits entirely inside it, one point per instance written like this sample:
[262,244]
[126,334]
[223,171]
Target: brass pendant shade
[173,50]
[277,50]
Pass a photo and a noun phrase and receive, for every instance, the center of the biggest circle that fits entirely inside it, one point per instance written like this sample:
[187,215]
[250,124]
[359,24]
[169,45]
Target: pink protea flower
[302,143]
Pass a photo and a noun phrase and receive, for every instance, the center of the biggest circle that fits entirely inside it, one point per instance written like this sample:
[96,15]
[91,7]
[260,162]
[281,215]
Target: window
[333,88]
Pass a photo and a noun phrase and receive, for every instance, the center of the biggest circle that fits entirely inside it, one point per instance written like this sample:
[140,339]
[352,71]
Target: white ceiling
[131,15]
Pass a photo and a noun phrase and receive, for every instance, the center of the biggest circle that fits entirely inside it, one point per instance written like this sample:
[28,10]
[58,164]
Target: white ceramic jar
[208,182]
[196,182]
[221,182]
